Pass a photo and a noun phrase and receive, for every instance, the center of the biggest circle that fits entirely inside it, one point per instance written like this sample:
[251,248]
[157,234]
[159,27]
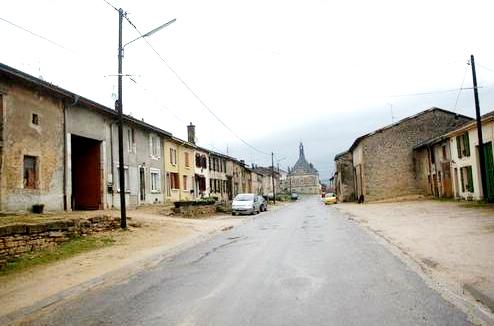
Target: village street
[303,264]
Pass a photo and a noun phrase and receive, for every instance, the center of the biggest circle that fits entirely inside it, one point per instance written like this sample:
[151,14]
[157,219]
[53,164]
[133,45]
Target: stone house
[465,164]
[58,147]
[267,180]
[383,159]
[433,167]
[218,181]
[343,180]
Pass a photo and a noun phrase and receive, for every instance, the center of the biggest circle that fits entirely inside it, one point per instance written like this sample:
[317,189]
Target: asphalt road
[303,264]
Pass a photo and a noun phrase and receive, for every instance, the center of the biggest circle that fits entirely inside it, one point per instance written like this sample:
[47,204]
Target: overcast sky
[276,72]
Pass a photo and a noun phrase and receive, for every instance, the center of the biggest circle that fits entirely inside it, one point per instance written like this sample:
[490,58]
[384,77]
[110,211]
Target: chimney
[191,133]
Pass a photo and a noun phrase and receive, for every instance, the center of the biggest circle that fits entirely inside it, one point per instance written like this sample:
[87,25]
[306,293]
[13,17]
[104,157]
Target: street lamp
[119,106]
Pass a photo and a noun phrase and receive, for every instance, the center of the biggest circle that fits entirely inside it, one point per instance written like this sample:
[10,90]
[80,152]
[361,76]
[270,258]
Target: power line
[196,96]
[36,34]
[432,93]
[108,3]
[461,88]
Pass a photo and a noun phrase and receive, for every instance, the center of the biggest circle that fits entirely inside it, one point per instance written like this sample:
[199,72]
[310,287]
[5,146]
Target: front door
[489,167]
[142,184]
[447,187]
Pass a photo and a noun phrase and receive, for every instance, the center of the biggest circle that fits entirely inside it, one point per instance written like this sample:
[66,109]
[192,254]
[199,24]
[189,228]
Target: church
[303,178]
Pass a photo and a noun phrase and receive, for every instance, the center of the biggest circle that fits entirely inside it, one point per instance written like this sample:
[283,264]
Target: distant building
[303,177]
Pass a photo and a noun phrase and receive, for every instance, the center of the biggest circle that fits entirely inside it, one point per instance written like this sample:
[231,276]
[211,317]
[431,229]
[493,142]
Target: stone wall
[388,153]
[192,211]
[345,183]
[18,239]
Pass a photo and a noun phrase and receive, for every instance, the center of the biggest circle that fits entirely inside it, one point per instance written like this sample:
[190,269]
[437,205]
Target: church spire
[301,150]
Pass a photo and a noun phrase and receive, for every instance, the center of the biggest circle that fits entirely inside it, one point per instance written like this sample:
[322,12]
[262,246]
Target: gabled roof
[62,93]
[432,109]
[489,116]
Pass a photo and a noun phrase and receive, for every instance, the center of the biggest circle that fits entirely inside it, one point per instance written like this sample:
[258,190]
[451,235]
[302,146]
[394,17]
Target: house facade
[344,180]
[218,176]
[465,164]
[383,160]
[60,149]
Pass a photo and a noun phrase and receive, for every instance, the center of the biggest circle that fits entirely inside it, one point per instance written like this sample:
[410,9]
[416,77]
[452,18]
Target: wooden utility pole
[483,176]
[121,170]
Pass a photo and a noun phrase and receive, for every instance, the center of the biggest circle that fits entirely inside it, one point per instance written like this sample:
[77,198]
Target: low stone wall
[18,239]
[192,211]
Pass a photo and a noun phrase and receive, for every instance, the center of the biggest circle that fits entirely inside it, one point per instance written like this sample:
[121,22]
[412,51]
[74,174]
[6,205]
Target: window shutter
[150,145]
[458,146]
[470,179]
[466,144]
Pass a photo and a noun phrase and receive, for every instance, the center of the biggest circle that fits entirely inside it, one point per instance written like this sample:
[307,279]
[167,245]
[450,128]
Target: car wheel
[233,213]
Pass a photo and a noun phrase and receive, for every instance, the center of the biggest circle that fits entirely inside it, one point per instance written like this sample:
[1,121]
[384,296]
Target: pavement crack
[233,240]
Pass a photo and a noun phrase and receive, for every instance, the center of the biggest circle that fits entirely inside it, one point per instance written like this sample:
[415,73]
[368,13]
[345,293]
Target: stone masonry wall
[388,154]
[191,211]
[18,239]
[345,184]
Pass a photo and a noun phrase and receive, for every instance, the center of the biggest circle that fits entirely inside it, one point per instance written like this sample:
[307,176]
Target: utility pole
[121,170]
[483,178]
[272,177]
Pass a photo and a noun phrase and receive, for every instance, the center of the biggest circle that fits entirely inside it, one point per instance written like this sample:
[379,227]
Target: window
[35,119]
[204,162]
[463,145]
[155,180]
[198,160]
[130,140]
[174,183]
[186,187]
[466,176]
[186,159]
[154,143]
[445,155]
[126,178]
[30,176]
[173,156]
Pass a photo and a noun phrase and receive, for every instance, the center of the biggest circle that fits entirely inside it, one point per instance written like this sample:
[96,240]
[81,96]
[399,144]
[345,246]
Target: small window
[186,159]
[35,119]
[155,180]
[185,182]
[174,181]
[30,177]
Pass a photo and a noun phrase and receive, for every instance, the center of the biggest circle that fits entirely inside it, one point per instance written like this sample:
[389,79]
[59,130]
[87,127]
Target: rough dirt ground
[157,234]
[452,243]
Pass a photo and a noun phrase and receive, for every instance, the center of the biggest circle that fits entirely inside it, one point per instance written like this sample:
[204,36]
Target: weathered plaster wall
[44,141]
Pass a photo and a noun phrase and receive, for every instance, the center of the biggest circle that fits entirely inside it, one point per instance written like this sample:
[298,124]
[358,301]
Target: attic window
[35,119]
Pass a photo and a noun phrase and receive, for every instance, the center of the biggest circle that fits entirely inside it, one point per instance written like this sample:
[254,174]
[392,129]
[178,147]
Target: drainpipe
[65,107]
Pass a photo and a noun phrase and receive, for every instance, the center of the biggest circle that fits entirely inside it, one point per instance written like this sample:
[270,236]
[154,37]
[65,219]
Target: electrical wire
[461,88]
[432,93]
[36,34]
[196,96]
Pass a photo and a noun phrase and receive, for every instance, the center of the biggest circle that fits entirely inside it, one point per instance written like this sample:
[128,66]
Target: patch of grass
[477,204]
[28,219]
[65,250]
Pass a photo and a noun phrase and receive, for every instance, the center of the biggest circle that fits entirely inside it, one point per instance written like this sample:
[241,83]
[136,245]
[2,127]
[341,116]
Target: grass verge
[68,249]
